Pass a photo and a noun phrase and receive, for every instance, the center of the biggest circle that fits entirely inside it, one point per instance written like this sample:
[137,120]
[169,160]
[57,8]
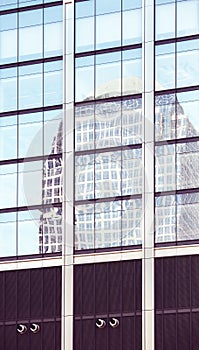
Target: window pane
[8,89]
[84,78]
[84,34]
[30,43]
[53,39]
[30,135]
[107,124]
[84,127]
[30,183]
[131,222]
[165,67]
[165,116]
[165,168]
[50,230]
[28,232]
[84,177]
[165,219]
[187,17]
[108,224]
[188,63]
[131,72]
[107,36]
[187,165]
[103,6]
[8,137]
[8,186]
[84,227]
[30,18]
[132,121]
[8,234]
[108,75]
[165,28]
[187,216]
[132,27]
[108,174]
[84,8]
[53,83]
[188,122]
[30,86]
[53,135]
[131,171]
[52,181]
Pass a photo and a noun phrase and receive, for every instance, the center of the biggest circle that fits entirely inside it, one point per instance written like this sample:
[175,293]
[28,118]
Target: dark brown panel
[158,332]
[183,282]
[169,283]
[77,335]
[169,334]
[77,290]
[10,341]
[138,285]
[88,334]
[23,294]
[49,284]
[36,340]
[195,281]
[158,284]
[128,333]
[183,331]
[101,338]
[195,330]
[58,291]
[101,280]
[138,333]
[1,337]
[114,337]
[10,295]
[48,335]
[2,296]
[57,335]
[88,290]
[114,287]
[128,286]
[36,291]
[23,341]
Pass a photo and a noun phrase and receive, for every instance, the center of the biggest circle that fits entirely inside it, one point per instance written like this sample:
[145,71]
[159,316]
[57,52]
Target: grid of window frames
[108,124]
[176,121]
[30,127]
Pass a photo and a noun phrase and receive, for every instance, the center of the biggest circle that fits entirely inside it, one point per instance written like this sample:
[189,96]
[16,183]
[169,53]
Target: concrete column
[148,178]
[68,177]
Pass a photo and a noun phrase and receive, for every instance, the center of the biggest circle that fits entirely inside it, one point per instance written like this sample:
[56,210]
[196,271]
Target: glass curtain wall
[108,124]
[176,120]
[30,127]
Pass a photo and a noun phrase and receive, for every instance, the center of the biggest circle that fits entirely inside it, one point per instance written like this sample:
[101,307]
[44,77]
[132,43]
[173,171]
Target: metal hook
[21,328]
[114,322]
[34,328]
[100,323]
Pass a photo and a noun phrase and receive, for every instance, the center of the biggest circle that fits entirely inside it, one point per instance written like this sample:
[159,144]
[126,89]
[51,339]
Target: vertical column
[148,178]
[68,157]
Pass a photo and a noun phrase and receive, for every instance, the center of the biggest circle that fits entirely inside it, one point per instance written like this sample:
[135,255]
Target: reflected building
[50,229]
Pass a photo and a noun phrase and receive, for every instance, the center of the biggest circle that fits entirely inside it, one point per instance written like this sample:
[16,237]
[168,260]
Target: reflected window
[108,75]
[8,186]
[8,136]
[131,222]
[8,234]
[165,219]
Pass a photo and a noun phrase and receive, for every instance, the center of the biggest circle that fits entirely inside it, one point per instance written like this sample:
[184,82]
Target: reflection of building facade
[50,230]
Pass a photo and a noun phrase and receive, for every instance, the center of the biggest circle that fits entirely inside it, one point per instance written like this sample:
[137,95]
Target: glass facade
[108,124]
[30,127]
[176,120]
